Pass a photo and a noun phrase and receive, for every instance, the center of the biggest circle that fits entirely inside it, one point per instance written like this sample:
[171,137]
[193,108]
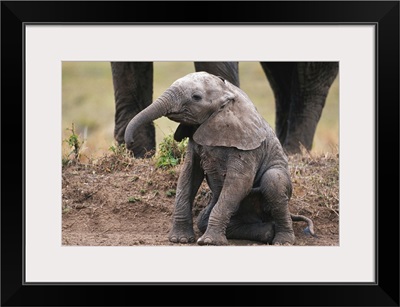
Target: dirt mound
[121,201]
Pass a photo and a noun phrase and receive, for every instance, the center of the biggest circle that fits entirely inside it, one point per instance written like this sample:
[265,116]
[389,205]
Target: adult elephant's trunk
[161,107]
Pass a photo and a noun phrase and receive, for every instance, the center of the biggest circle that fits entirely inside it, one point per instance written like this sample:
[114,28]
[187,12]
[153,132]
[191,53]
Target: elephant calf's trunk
[157,109]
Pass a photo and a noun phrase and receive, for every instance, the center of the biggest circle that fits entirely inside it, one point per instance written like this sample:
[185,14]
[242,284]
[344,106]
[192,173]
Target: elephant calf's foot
[180,234]
[212,238]
[284,238]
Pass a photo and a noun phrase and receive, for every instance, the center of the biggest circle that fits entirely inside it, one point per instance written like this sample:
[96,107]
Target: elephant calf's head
[209,108]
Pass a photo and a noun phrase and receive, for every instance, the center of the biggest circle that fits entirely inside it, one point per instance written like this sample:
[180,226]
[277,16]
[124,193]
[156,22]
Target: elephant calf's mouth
[182,119]
[175,116]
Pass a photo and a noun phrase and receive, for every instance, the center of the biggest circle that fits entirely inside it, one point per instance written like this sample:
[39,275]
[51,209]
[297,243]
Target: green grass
[88,102]
[170,152]
[75,146]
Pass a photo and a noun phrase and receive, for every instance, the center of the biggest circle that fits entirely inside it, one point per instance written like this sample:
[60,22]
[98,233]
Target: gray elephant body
[233,173]
[236,150]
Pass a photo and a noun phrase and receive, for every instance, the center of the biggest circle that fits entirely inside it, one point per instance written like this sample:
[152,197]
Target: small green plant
[66,209]
[171,152]
[171,192]
[134,199]
[119,150]
[119,159]
[76,146]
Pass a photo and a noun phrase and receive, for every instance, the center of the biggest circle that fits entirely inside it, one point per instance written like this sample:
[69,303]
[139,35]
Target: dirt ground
[120,201]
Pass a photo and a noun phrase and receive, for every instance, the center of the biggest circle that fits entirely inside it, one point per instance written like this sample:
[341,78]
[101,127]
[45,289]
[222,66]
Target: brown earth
[120,201]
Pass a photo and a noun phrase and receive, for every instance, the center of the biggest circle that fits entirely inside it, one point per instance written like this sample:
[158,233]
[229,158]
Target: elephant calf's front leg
[236,187]
[189,182]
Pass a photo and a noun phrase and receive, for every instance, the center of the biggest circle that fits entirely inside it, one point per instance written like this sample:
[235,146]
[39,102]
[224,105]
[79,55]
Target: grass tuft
[75,145]
[170,153]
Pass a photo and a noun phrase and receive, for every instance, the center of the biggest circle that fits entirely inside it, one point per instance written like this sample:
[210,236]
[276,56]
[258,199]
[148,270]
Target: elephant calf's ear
[183,131]
[237,124]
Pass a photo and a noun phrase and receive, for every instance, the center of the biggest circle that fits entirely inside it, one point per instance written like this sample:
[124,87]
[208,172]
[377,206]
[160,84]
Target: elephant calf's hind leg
[276,188]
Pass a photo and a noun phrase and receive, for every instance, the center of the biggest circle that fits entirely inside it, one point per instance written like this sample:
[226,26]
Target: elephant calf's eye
[196,97]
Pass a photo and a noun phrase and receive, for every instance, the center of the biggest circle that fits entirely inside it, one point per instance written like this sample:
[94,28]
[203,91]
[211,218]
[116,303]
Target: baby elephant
[234,148]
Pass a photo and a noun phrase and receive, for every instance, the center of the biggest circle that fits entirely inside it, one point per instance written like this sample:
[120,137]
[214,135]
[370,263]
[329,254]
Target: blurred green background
[88,103]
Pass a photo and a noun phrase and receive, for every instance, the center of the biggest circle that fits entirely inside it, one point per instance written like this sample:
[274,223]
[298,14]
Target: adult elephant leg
[310,86]
[133,91]
[280,75]
[227,70]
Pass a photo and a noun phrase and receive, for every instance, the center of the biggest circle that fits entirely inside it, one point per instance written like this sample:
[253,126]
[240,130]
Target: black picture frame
[383,14]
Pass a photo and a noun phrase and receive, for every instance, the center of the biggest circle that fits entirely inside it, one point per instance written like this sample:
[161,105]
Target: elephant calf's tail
[302,218]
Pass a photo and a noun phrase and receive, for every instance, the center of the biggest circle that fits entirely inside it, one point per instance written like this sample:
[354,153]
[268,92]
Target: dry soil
[120,201]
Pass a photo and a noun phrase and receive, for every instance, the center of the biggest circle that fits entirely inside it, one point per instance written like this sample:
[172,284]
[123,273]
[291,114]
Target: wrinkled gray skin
[300,90]
[233,147]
